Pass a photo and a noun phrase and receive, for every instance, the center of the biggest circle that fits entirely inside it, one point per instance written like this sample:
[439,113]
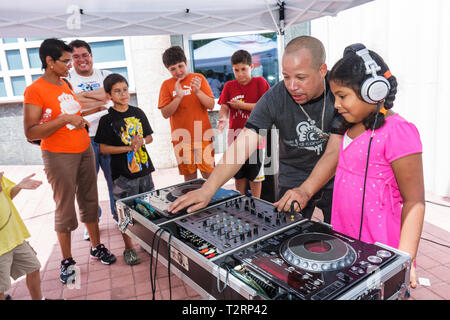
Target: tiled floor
[120,281]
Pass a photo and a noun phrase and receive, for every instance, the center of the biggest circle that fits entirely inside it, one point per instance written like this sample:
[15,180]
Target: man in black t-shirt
[302,108]
[123,133]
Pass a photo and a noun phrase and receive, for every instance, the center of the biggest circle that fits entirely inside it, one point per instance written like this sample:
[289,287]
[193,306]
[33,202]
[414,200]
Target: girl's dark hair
[53,48]
[350,72]
[173,55]
[111,80]
[241,56]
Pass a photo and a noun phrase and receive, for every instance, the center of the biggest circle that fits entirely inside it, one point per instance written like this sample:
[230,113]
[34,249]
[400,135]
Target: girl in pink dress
[391,177]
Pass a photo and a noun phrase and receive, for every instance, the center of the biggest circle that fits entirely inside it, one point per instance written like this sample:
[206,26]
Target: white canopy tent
[94,18]
[99,18]
[217,53]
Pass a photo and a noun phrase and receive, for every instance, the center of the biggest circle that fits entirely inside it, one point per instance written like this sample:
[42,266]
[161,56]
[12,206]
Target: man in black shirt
[302,109]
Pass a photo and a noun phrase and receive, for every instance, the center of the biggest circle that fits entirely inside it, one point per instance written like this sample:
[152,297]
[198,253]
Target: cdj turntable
[312,262]
[154,204]
[240,247]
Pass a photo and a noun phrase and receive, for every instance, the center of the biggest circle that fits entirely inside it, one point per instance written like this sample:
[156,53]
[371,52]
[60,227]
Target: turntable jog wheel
[181,190]
[317,252]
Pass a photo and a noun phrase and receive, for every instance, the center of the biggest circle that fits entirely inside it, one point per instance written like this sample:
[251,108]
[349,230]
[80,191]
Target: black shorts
[253,168]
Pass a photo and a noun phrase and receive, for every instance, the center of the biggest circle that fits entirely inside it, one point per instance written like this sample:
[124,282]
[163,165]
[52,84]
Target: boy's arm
[148,139]
[241,105]
[108,149]
[26,183]
[223,118]
[206,101]
[169,109]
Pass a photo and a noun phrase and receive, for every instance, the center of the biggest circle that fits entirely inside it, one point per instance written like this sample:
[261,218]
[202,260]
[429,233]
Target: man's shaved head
[313,45]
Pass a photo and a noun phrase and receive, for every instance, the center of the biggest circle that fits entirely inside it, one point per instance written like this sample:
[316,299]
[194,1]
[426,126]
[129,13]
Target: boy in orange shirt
[185,99]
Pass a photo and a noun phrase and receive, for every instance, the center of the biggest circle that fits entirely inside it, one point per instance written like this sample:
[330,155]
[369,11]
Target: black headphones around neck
[375,88]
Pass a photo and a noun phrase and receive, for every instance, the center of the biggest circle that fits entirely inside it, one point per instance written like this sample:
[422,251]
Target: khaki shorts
[19,261]
[72,175]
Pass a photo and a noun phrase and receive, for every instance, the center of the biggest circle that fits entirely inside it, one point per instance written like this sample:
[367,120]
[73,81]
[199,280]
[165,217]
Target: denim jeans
[104,161]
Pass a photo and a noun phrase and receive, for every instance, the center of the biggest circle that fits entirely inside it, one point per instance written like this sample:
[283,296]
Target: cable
[367,167]
[153,283]
[292,209]
[438,243]
[438,204]
[226,278]
[168,263]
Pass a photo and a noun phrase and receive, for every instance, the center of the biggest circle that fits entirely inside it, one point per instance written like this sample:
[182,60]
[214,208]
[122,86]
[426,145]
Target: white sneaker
[86,235]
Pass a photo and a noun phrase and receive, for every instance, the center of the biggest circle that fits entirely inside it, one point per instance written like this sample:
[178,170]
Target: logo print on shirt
[68,104]
[89,86]
[308,137]
[239,113]
[186,89]
[136,160]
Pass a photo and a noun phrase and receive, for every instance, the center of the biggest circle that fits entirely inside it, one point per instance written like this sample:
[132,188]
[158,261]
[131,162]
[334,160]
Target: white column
[149,74]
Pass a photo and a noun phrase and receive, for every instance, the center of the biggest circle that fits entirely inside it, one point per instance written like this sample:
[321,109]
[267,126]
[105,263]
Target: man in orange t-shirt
[185,99]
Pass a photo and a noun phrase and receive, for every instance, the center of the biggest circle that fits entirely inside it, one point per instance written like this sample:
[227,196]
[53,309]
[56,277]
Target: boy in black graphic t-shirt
[123,133]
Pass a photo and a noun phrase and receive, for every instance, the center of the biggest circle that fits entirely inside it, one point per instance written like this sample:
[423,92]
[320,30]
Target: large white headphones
[376,87]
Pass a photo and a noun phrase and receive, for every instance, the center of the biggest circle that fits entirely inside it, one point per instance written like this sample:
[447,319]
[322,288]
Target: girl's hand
[298,194]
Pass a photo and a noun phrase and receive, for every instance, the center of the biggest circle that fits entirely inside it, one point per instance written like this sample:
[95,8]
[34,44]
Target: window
[107,51]
[2,88]
[21,64]
[34,77]
[33,57]
[121,71]
[9,40]
[18,85]
[14,60]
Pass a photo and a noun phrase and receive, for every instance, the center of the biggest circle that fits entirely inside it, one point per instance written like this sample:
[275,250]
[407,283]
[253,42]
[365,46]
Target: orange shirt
[190,108]
[59,99]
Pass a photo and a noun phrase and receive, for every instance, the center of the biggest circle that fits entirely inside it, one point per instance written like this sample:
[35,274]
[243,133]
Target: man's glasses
[83,56]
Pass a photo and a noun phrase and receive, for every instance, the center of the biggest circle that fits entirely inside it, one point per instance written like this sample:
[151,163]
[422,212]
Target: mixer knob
[255,230]
[242,236]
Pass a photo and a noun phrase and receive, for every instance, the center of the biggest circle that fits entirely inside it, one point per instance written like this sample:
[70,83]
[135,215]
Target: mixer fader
[234,223]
